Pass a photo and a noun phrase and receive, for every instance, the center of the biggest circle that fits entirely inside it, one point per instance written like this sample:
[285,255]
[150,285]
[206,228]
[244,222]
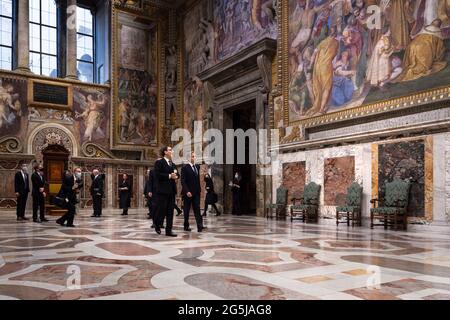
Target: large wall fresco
[92,115]
[13,106]
[340,57]
[239,24]
[136,108]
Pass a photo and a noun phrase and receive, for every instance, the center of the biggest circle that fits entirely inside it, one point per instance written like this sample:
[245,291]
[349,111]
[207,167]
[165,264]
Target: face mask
[236,176]
[25,170]
[41,173]
[78,175]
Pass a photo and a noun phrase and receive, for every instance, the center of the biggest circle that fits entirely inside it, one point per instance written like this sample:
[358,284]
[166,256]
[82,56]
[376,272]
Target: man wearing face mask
[72,183]
[22,189]
[38,193]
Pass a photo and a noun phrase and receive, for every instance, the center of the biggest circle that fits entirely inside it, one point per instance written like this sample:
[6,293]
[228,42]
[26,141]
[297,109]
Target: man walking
[97,192]
[166,175]
[38,193]
[190,181]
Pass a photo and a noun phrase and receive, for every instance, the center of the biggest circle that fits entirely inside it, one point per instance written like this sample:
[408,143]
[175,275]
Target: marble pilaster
[23,30]
[71,44]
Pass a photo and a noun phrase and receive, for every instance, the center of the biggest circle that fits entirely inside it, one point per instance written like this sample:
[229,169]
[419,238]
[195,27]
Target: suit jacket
[190,181]
[37,183]
[97,185]
[165,185]
[66,189]
[125,195]
[21,186]
[150,184]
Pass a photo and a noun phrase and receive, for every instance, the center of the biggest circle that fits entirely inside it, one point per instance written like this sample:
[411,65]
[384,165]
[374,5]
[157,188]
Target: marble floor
[117,257]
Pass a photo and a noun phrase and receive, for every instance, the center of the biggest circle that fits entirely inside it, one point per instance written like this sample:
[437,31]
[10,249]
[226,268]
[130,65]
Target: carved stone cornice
[10,145]
[92,150]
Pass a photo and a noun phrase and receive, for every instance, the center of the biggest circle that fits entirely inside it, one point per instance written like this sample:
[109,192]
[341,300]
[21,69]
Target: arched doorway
[56,162]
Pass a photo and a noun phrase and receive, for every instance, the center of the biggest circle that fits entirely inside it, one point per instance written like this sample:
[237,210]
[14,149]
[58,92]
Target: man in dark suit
[72,183]
[149,191]
[166,175]
[22,189]
[97,192]
[38,193]
[190,181]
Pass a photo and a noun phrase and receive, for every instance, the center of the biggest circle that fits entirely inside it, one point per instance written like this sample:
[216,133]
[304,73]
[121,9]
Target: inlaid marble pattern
[119,257]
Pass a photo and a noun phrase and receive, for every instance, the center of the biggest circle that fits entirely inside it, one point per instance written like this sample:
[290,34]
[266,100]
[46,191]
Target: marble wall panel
[404,160]
[339,173]
[294,175]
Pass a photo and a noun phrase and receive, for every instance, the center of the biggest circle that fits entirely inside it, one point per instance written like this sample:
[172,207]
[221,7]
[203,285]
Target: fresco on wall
[339,173]
[199,39]
[240,23]
[294,177]
[404,160]
[341,57]
[13,106]
[137,82]
[193,104]
[91,108]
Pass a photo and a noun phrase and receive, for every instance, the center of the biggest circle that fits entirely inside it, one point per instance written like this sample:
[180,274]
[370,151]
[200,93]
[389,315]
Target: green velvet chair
[352,209]
[308,208]
[280,206]
[392,210]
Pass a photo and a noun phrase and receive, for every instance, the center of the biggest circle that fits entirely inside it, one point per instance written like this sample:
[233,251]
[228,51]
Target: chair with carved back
[351,211]
[393,209]
[308,205]
[280,206]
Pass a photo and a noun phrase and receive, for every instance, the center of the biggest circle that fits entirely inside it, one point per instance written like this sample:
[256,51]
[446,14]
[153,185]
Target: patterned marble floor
[118,257]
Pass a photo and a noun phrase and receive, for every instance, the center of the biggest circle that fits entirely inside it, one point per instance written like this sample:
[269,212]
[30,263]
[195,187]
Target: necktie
[195,170]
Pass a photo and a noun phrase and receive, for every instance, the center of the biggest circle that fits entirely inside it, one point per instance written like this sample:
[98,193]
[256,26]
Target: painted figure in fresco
[381,69]
[171,67]
[10,106]
[323,72]
[93,114]
[343,86]
[124,110]
[425,55]
[308,18]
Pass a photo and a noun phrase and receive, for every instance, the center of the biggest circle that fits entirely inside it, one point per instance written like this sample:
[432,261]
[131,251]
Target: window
[85,45]
[43,37]
[6,34]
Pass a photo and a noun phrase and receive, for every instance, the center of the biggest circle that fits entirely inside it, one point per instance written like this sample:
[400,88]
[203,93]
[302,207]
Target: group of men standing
[161,191]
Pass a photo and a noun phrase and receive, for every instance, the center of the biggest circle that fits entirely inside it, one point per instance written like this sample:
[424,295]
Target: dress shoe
[200,230]
[19,218]
[158,230]
[217,214]
[171,234]
[204,215]
[45,220]
[36,221]
[60,222]
[153,226]
[187,229]
[71,226]
[23,218]
[179,214]
[94,216]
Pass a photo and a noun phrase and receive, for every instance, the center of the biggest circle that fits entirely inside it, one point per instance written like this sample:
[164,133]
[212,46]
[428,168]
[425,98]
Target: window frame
[40,52]
[13,19]
[92,9]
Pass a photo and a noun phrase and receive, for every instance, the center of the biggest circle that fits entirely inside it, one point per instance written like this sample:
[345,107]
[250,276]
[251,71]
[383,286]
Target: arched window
[85,44]
[6,34]
[43,37]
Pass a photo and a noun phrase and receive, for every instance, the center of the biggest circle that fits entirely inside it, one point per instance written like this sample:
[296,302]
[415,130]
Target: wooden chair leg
[371,220]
